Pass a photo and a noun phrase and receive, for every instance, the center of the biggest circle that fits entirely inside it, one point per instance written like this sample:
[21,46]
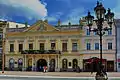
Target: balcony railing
[40,52]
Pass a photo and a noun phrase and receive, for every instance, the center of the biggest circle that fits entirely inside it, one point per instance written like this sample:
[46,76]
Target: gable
[40,26]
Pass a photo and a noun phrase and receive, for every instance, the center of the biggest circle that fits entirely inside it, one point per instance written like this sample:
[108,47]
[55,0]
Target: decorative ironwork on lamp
[100,18]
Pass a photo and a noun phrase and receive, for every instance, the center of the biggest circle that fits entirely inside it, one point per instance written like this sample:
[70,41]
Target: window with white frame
[87,32]
[88,46]
[96,46]
[109,45]
[109,32]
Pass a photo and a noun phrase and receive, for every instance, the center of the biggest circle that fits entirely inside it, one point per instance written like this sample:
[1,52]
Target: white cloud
[54,17]
[74,16]
[35,7]
[116,10]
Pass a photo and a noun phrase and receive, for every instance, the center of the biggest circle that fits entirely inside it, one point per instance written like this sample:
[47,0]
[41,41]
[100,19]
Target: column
[81,61]
[25,62]
[58,61]
[25,47]
[16,46]
[48,62]
[80,45]
[33,62]
[47,44]
[58,45]
[69,47]
[36,45]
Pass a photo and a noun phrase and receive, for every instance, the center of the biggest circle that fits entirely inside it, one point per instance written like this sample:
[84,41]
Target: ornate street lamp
[100,30]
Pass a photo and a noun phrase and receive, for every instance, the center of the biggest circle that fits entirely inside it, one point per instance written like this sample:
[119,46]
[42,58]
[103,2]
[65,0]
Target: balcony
[40,52]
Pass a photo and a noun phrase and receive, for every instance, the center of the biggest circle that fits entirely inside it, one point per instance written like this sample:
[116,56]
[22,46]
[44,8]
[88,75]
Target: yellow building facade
[41,45]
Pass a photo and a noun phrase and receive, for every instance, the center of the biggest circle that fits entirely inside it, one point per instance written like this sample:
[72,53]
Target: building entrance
[40,64]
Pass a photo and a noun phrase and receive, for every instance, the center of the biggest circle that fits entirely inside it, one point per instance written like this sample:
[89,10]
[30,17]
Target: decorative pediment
[40,26]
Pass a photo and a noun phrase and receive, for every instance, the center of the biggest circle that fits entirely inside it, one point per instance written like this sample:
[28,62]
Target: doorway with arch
[11,64]
[40,64]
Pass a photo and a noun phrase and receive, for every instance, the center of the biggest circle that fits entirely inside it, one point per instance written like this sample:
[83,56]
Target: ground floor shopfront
[93,61]
[36,62]
[55,62]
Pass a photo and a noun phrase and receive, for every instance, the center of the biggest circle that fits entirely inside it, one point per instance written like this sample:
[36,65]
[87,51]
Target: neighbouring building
[3,25]
[60,47]
[117,24]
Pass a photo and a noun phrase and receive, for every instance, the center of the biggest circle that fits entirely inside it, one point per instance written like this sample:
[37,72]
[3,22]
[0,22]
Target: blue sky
[66,10]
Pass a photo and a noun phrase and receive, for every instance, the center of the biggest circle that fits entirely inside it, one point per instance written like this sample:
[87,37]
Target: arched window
[52,65]
[20,63]
[64,63]
[75,63]
[11,63]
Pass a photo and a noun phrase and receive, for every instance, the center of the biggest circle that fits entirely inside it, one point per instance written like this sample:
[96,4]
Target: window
[109,46]
[75,63]
[41,46]
[0,43]
[87,32]
[11,47]
[69,63]
[64,47]
[95,33]
[31,46]
[74,47]
[11,63]
[88,47]
[20,64]
[20,47]
[52,46]
[0,36]
[0,50]
[64,63]
[96,46]
[109,32]
[118,65]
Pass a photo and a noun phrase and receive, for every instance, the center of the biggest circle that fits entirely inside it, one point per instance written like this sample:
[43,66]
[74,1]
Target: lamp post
[100,30]
[3,26]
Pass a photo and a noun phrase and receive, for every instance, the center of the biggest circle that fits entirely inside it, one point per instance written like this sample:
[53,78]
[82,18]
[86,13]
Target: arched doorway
[11,64]
[64,64]
[20,64]
[75,64]
[52,65]
[40,64]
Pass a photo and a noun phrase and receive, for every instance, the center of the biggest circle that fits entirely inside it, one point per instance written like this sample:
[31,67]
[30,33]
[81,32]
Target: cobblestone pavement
[59,74]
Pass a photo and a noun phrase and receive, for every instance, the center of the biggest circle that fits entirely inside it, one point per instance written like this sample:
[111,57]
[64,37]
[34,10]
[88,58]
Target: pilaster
[16,46]
[58,45]
[69,47]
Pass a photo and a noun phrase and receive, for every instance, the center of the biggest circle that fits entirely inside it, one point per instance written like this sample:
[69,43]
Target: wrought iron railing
[40,52]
